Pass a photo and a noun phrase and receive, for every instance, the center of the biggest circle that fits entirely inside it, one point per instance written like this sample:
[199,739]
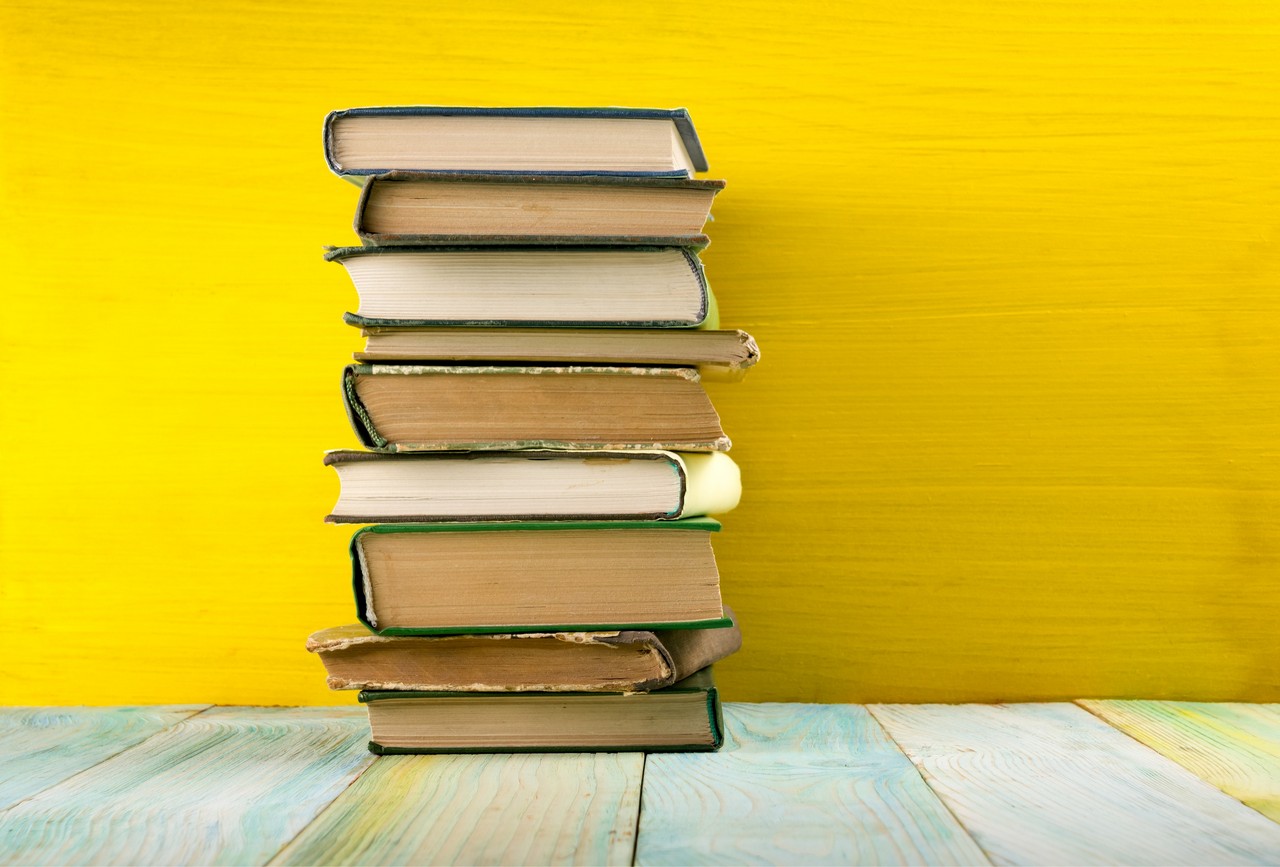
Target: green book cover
[695,701]
[362,585]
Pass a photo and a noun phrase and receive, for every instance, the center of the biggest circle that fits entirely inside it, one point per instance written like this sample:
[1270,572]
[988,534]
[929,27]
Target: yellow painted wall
[1013,267]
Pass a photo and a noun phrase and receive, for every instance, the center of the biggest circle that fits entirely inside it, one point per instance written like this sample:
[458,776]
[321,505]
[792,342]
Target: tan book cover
[626,661]
[423,408]
[720,355]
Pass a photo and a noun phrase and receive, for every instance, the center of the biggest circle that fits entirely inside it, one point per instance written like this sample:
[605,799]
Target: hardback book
[469,209]
[595,141]
[684,717]
[420,408]
[633,287]
[531,485]
[629,661]
[563,576]
[717,355]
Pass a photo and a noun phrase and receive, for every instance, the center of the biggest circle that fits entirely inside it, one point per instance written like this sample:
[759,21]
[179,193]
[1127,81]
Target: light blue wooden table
[1065,783]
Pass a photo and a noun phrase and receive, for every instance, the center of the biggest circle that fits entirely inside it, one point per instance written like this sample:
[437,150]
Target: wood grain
[43,746]
[494,809]
[1052,784]
[1234,746]
[796,784]
[228,786]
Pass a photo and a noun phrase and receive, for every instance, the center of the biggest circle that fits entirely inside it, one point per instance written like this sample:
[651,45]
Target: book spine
[327,134]
[356,412]
[715,716]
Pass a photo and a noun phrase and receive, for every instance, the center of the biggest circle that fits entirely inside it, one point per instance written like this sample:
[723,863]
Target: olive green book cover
[500,722]
[362,585]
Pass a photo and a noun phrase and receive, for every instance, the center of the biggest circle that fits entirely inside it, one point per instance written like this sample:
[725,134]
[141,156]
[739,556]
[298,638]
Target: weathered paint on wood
[796,784]
[1234,746]
[43,746]
[490,809]
[228,786]
[1053,784]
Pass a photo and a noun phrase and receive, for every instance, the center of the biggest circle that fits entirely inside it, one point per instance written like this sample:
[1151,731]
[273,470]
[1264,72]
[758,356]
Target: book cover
[679,117]
[423,576]
[626,661]
[504,209]
[601,295]
[684,717]
[718,355]
[423,408]
[533,485]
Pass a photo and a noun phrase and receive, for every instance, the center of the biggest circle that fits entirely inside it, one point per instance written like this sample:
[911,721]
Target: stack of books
[542,458]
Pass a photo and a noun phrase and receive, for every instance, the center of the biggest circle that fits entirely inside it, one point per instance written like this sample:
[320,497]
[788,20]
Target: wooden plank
[1052,784]
[228,786]
[1234,746]
[808,784]
[494,809]
[43,746]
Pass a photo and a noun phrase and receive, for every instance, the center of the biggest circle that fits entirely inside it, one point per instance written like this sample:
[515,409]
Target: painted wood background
[1012,267]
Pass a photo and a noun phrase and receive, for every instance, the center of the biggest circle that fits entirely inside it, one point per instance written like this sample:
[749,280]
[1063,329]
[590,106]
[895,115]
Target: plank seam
[635,837]
[1098,716]
[924,778]
[319,813]
[88,768]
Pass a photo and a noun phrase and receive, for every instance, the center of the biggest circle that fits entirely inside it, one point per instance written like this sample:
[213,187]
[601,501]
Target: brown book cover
[627,661]
[722,355]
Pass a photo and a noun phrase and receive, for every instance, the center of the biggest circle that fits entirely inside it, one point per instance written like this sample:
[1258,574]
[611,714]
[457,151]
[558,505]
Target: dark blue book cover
[677,116]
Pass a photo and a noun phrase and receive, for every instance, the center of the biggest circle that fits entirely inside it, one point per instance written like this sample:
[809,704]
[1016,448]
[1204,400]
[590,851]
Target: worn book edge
[368,434]
[678,653]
